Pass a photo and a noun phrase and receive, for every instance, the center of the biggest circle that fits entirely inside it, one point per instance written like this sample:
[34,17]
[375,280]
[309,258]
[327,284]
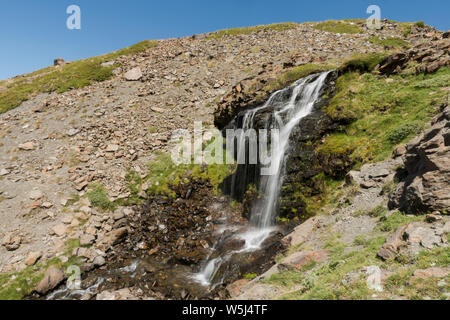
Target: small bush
[402,132]
[420,24]
[99,197]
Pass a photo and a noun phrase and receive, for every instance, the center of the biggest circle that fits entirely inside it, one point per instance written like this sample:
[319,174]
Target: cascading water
[285,110]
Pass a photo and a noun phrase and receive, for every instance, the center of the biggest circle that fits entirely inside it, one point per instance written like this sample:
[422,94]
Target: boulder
[33,257]
[134,74]
[52,278]
[427,161]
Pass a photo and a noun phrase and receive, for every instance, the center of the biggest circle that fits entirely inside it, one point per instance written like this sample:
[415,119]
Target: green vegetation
[392,42]
[164,174]
[74,75]
[363,62]
[250,276]
[98,197]
[293,75]
[395,220]
[338,27]
[17,285]
[376,115]
[326,281]
[248,30]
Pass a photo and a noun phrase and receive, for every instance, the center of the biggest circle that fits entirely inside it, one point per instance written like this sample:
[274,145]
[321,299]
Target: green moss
[250,276]
[363,62]
[75,75]
[98,197]
[376,115]
[164,174]
[248,30]
[338,27]
[392,42]
[293,75]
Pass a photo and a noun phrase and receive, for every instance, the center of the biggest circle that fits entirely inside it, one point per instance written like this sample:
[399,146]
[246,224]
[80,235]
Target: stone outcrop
[427,162]
[428,58]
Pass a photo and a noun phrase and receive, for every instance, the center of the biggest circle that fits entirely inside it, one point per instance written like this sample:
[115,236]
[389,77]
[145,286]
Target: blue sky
[33,32]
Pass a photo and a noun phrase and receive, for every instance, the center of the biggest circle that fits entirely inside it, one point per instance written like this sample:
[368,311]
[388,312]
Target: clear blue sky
[33,32]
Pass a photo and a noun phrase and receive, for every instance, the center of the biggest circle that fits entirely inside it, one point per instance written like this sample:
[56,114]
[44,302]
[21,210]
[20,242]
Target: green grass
[392,42]
[395,220]
[376,116]
[98,197]
[363,62]
[75,75]
[293,75]
[325,282]
[17,285]
[164,174]
[338,27]
[248,30]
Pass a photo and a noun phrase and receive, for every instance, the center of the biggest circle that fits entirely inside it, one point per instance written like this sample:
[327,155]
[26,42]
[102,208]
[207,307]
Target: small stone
[27,146]
[99,261]
[112,148]
[33,257]
[35,194]
[433,217]
[4,172]
[133,74]
[59,229]
[87,239]
[12,241]
[118,216]
[47,205]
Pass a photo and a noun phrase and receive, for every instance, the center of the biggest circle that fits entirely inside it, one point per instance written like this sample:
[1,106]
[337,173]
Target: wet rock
[52,278]
[99,261]
[117,236]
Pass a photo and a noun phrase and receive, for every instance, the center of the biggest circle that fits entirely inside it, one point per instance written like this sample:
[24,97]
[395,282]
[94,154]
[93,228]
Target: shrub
[402,132]
[98,197]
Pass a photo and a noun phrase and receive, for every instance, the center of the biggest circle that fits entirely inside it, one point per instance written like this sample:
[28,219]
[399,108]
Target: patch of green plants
[325,282]
[74,75]
[392,42]
[363,62]
[98,197]
[293,75]
[338,27]
[395,220]
[376,115]
[250,276]
[248,30]
[164,174]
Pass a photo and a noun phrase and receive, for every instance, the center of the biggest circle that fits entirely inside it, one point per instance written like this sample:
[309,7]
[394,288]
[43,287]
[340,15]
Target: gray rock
[133,74]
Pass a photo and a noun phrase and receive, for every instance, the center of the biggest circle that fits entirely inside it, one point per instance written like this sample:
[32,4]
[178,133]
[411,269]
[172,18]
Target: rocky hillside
[84,171]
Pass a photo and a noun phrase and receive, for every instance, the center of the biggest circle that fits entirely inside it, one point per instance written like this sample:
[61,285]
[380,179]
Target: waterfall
[283,111]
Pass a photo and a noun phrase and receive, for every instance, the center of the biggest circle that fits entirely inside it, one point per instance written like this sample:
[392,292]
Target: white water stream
[289,105]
